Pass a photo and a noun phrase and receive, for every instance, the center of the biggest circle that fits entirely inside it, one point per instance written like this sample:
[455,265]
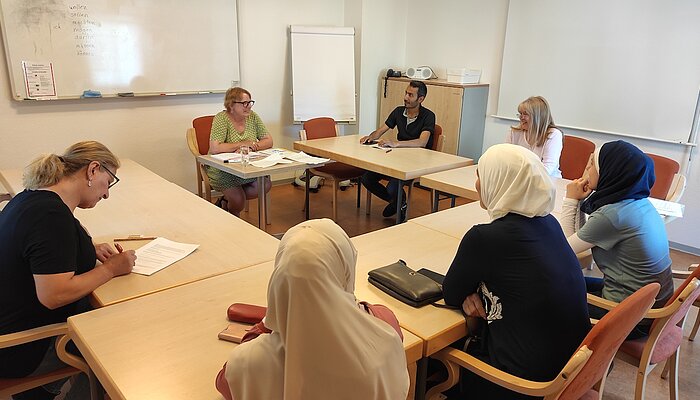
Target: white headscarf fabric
[513,180]
[322,345]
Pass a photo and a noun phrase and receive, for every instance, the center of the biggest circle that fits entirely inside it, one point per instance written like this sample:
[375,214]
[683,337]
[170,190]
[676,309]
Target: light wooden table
[250,171]
[144,203]
[462,182]
[420,247]
[403,164]
[165,345]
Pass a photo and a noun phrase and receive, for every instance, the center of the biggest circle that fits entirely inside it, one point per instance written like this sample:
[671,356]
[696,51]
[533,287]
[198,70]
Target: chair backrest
[574,156]
[437,142]
[322,127]
[75,365]
[202,126]
[684,295]
[606,337]
[665,169]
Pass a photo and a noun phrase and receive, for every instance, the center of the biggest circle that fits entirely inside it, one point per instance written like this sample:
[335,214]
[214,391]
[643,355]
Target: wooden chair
[76,365]
[438,143]
[198,142]
[584,374]
[664,337]
[669,184]
[684,275]
[574,156]
[323,127]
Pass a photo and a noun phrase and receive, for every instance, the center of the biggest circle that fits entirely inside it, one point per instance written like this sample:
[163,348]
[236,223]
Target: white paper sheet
[306,159]
[270,161]
[236,157]
[160,253]
[667,208]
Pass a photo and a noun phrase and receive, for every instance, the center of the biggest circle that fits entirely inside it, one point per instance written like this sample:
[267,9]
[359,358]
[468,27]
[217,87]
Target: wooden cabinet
[460,110]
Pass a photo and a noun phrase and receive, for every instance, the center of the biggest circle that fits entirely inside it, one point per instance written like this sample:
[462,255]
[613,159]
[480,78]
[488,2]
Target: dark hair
[422,89]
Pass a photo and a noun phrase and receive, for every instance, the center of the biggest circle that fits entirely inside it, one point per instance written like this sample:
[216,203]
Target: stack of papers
[236,157]
[270,161]
[160,253]
[306,159]
[667,208]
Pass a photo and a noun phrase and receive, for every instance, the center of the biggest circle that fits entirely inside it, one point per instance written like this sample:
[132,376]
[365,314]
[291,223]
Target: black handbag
[404,284]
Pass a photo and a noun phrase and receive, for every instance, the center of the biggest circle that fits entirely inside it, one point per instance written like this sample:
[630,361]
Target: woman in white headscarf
[324,344]
[519,274]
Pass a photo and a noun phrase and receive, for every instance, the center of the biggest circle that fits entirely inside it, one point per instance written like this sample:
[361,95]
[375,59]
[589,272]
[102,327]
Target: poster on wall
[39,80]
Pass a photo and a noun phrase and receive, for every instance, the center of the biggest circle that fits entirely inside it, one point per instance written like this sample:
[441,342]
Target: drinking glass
[245,155]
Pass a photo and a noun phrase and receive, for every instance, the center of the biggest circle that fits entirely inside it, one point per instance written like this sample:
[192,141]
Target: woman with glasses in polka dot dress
[231,129]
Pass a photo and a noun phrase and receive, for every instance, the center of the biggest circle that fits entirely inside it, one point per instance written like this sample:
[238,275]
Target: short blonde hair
[232,95]
[49,169]
[541,121]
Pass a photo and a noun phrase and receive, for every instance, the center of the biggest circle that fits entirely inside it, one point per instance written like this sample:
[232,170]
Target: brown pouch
[247,313]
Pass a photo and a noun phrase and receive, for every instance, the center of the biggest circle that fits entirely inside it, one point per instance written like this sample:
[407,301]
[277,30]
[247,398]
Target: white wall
[152,130]
[383,46]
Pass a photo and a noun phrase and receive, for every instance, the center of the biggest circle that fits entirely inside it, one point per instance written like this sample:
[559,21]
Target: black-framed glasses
[115,181]
[246,104]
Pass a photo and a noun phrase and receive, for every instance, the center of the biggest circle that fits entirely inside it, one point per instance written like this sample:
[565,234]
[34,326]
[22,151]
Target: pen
[388,150]
[134,237]
[119,247]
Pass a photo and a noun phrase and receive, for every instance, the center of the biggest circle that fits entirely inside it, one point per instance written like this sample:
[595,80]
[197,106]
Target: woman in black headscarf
[624,231]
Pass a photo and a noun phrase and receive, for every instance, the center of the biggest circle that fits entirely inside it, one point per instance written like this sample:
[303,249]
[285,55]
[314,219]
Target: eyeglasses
[115,181]
[520,115]
[246,104]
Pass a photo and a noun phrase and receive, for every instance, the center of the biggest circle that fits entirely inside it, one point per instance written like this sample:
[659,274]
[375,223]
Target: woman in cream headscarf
[323,344]
[518,273]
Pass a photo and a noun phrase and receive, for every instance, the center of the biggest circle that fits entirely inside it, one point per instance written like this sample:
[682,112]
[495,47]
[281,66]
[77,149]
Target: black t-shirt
[425,121]
[533,292]
[38,235]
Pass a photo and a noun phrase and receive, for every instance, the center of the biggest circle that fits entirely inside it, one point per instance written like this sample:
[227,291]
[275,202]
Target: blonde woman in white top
[538,133]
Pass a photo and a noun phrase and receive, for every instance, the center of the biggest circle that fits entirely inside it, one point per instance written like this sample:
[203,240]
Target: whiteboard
[119,46]
[323,73]
[626,66]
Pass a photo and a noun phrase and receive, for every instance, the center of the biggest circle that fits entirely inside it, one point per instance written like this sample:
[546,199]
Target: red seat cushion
[667,344]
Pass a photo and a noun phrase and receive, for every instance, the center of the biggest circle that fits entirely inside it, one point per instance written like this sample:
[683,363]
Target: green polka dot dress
[222,130]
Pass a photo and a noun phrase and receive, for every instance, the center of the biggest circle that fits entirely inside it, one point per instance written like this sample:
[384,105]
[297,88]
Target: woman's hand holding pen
[121,263]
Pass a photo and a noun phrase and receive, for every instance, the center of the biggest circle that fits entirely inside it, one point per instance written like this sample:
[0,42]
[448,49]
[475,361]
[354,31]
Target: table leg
[452,201]
[421,378]
[96,389]
[436,200]
[306,194]
[262,209]
[399,203]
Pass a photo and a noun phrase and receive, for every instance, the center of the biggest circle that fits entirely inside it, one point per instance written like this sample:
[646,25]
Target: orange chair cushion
[666,345]
[340,171]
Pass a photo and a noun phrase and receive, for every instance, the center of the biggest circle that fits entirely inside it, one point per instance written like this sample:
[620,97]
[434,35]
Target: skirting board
[684,248]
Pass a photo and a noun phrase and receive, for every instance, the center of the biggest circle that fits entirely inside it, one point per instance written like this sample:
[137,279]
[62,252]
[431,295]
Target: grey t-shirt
[631,248]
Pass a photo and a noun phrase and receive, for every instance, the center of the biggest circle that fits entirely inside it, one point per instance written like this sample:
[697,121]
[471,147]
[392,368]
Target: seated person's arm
[420,142]
[465,272]
[572,218]
[57,290]
[551,151]
[264,143]
[376,134]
